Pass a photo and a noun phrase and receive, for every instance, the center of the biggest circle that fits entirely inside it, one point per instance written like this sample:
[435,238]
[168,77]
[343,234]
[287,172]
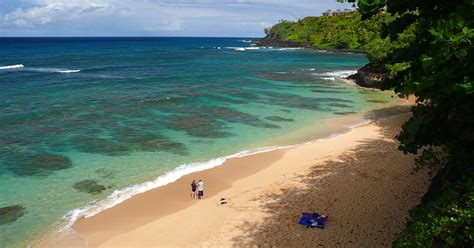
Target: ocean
[86,123]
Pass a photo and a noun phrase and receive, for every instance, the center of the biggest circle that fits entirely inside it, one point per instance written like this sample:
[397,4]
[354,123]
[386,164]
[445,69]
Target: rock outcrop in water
[370,76]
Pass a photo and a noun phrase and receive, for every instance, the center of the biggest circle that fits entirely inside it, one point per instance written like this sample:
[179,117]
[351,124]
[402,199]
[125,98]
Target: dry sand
[360,180]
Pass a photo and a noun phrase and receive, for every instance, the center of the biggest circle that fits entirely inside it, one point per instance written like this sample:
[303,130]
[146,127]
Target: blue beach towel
[313,220]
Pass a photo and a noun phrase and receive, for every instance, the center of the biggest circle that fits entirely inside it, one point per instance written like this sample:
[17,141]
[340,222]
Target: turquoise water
[82,118]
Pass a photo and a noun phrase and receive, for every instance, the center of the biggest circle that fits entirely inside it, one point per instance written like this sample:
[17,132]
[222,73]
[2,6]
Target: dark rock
[274,41]
[89,186]
[278,118]
[370,76]
[11,213]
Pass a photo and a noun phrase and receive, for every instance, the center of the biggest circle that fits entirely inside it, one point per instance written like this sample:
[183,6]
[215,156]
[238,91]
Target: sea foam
[332,75]
[68,71]
[51,70]
[38,69]
[11,67]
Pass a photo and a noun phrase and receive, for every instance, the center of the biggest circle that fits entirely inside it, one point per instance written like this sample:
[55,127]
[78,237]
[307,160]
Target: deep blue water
[81,118]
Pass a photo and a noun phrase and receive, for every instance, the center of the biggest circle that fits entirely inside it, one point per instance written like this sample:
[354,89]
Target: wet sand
[360,180]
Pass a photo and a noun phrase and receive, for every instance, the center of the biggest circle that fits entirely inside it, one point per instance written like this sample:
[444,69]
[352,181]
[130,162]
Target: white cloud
[52,10]
[154,17]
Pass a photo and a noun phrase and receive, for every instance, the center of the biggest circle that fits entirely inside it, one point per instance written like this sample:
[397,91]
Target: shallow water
[83,117]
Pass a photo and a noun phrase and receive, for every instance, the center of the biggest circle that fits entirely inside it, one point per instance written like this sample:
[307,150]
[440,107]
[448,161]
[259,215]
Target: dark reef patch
[102,146]
[105,173]
[278,118]
[168,101]
[344,113]
[230,115]
[234,116]
[89,186]
[33,164]
[198,126]
[291,101]
[11,213]
[340,105]
[329,91]
[335,100]
[266,125]
[244,95]
[156,142]
[376,101]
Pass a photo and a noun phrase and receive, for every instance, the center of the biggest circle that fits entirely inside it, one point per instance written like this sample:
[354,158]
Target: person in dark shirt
[193,189]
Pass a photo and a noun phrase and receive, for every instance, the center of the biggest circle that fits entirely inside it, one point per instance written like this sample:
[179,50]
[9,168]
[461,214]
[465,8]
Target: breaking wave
[332,75]
[11,67]
[21,67]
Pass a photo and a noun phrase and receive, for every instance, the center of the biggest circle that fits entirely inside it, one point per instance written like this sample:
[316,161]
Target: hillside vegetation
[347,31]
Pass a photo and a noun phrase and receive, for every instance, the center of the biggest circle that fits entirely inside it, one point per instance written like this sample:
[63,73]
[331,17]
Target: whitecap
[11,67]
[68,71]
[332,75]
[289,48]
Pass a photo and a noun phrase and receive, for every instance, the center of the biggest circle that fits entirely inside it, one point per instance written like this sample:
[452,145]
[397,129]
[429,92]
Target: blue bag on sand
[313,220]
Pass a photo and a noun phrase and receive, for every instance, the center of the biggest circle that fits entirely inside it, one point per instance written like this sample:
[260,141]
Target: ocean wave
[332,75]
[11,67]
[254,47]
[69,71]
[119,196]
[289,48]
[328,78]
[39,69]
[246,41]
[236,48]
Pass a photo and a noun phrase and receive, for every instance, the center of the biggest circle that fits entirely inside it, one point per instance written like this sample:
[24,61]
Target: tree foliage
[429,53]
[428,49]
[445,219]
[347,31]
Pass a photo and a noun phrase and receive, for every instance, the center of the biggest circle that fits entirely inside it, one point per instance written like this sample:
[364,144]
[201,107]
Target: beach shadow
[366,194]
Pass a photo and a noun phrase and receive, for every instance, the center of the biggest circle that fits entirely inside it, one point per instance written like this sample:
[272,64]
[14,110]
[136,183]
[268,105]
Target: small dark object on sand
[313,220]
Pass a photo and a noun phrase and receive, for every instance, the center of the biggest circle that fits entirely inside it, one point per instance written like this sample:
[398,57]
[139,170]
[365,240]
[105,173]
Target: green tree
[429,53]
[347,31]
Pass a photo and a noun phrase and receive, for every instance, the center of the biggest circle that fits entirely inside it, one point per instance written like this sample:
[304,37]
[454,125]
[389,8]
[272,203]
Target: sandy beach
[359,180]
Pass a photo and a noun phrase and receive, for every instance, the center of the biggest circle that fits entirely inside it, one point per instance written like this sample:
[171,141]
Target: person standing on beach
[193,189]
[200,189]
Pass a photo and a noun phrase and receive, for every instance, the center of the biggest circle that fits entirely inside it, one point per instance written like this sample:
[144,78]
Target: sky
[211,18]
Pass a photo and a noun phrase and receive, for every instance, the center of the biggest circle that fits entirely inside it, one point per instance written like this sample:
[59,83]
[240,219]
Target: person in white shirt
[200,189]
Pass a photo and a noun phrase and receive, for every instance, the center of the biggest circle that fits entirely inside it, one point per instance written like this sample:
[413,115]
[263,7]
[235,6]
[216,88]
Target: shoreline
[119,220]
[345,125]
[261,42]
